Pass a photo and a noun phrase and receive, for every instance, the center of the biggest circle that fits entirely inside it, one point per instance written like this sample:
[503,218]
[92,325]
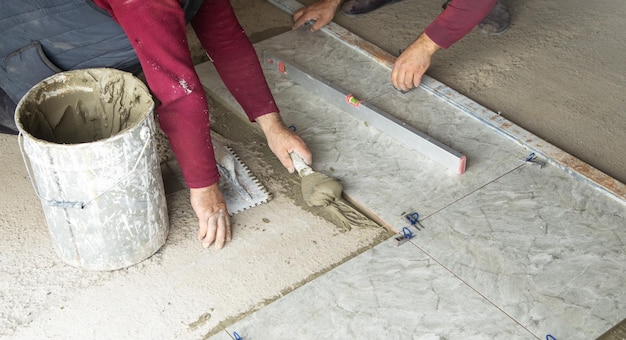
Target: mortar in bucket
[87,138]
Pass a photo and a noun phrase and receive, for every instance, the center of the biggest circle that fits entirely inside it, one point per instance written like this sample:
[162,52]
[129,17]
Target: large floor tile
[541,245]
[387,292]
[332,60]
[545,248]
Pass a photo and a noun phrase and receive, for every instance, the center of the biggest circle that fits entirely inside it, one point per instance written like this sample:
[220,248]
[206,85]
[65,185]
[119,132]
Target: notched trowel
[240,188]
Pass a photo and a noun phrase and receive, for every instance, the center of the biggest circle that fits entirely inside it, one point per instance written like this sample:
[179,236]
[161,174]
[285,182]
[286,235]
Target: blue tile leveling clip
[406,232]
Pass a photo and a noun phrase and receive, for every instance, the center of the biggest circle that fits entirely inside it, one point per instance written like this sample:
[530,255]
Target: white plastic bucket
[87,137]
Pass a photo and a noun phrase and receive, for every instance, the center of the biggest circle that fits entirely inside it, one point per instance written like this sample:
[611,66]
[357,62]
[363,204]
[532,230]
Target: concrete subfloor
[41,295]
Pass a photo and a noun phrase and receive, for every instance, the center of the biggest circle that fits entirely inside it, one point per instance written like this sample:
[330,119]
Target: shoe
[497,21]
[356,7]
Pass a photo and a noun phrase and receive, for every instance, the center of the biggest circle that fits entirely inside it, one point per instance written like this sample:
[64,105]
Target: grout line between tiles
[471,192]
[476,290]
[454,274]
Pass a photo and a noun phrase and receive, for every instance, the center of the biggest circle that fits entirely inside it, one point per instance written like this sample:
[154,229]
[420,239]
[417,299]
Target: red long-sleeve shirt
[157,31]
[458,19]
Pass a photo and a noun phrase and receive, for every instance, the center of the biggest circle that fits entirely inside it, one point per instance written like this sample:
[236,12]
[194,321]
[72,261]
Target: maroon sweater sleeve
[235,59]
[157,31]
[458,19]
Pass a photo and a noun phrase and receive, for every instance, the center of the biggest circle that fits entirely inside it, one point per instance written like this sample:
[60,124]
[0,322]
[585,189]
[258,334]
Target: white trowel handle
[301,167]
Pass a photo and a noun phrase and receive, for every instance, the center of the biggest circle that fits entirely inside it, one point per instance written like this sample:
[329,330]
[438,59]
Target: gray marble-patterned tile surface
[345,148]
[547,249]
[332,60]
[533,243]
[387,292]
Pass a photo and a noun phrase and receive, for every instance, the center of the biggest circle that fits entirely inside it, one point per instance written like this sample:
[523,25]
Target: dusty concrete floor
[558,72]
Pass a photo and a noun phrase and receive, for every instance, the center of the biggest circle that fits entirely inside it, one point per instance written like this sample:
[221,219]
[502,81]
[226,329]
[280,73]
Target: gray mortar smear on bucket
[89,139]
[83,107]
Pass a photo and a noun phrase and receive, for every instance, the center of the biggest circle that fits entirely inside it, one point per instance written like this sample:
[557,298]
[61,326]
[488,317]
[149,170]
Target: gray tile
[545,248]
[387,292]
[331,60]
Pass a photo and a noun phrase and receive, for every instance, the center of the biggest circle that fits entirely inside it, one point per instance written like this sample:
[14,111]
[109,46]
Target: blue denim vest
[41,37]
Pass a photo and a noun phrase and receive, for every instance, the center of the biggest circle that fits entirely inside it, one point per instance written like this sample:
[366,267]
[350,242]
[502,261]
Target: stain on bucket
[88,142]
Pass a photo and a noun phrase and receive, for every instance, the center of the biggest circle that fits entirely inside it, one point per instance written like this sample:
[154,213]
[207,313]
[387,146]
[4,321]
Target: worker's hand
[283,141]
[322,12]
[214,222]
[412,63]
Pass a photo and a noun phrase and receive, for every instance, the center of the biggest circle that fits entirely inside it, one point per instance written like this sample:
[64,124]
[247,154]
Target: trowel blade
[241,189]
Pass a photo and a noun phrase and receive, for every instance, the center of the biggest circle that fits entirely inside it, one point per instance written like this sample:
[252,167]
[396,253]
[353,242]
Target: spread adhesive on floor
[320,190]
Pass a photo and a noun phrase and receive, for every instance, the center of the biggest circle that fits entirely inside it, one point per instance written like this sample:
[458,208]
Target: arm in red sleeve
[157,31]
[458,19]
[235,59]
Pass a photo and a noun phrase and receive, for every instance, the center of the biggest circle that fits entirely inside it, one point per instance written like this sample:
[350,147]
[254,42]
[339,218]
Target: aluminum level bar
[375,117]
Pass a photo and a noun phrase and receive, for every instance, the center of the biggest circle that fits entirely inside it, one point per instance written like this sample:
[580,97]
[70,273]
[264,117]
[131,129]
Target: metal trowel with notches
[240,188]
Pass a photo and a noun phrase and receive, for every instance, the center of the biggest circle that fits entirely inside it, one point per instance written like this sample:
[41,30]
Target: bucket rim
[63,75]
